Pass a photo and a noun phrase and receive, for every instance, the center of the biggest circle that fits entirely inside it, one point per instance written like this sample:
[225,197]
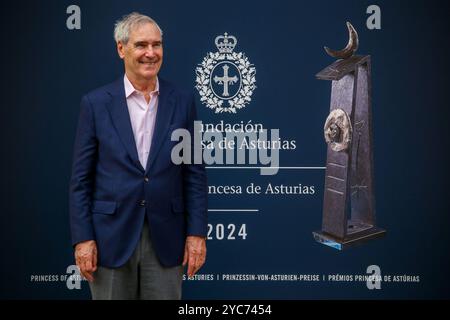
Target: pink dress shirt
[142,116]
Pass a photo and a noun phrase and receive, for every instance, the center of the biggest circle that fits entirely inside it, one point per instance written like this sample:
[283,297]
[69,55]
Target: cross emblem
[225,80]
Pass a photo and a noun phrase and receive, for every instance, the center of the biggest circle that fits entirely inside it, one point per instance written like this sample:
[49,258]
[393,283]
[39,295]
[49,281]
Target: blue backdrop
[46,68]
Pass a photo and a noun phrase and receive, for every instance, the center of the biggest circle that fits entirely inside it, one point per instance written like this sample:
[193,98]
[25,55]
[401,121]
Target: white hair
[123,27]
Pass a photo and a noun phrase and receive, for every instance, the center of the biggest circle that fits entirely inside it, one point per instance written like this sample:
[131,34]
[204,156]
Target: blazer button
[142,203]
[146,179]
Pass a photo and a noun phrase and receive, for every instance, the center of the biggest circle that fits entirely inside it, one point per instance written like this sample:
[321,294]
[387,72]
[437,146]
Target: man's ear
[120,49]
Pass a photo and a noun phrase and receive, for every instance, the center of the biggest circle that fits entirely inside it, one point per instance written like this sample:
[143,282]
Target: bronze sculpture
[349,200]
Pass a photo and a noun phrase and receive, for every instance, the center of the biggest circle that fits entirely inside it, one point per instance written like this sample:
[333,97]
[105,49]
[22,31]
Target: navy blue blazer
[111,193]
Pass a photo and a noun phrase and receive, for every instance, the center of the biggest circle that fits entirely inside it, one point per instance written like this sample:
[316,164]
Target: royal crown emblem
[225,79]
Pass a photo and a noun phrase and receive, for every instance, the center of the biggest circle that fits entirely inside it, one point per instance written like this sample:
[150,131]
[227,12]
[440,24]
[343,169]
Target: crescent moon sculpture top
[351,47]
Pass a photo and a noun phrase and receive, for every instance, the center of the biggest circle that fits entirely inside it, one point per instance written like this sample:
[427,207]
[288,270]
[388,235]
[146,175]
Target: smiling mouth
[148,63]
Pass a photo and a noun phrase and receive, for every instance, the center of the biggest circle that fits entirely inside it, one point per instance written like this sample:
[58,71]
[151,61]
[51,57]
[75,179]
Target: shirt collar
[129,89]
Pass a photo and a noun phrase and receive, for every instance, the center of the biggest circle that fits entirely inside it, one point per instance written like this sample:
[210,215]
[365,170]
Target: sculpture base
[351,240]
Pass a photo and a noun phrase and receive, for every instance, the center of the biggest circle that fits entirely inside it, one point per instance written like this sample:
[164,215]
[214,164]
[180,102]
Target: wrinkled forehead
[145,31]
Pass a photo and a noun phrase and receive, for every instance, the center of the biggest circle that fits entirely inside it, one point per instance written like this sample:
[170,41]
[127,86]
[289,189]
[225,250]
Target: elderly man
[136,218]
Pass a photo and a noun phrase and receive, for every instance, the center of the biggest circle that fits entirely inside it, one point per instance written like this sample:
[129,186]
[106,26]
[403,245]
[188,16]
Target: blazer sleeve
[83,172]
[195,185]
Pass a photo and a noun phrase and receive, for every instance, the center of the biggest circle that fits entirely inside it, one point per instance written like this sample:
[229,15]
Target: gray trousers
[142,277]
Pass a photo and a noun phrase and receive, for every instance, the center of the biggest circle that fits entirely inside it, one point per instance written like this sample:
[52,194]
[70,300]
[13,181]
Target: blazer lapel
[121,119]
[162,123]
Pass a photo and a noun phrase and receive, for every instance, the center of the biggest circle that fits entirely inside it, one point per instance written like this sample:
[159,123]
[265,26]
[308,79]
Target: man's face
[143,54]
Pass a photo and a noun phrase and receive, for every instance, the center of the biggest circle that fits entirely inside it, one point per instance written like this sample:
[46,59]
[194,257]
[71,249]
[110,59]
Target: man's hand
[194,254]
[86,258]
